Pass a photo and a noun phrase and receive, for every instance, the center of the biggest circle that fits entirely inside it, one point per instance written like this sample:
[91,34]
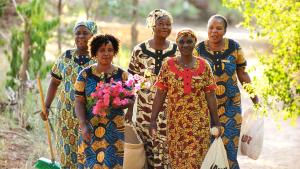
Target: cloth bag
[252,134]
[216,157]
[134,152]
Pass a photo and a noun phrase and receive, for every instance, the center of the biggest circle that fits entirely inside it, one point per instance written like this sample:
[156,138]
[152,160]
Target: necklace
[186,65]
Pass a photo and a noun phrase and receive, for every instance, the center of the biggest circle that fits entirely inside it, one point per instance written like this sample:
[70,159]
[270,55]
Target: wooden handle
[47,121]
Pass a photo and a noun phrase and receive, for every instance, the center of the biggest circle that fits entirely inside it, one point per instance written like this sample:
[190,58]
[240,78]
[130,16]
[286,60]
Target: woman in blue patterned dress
[101,142]
[227,61]
[64,73]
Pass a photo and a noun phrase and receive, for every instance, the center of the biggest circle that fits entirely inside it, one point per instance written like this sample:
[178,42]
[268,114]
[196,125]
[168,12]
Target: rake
[44,163]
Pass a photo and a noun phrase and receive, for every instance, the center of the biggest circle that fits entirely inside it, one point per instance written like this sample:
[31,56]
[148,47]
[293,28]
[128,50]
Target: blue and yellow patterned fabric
[106,150]
[224,65]
[66,69]
[90,25]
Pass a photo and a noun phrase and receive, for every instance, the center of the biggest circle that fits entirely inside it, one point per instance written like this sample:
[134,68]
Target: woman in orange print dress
[188,84]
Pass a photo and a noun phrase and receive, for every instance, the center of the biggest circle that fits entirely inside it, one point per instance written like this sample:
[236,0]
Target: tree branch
[19,14]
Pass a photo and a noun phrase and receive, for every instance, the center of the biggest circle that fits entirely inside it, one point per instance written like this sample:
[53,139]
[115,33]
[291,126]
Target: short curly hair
[98,40]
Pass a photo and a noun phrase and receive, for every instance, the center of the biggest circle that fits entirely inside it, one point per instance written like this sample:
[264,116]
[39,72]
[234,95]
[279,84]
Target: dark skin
[82,35]
[104,55]
[186,45]
[216,31]
[161,32]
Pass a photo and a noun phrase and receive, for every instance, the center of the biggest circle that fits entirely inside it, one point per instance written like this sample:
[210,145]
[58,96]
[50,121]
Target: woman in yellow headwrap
[188,84]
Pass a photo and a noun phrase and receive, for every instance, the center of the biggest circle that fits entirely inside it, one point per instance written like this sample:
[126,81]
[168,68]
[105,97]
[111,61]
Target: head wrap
[154,15]
[90,25]
[186,32]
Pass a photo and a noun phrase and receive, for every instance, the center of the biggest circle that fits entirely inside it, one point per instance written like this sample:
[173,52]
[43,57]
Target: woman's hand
[86,133]
[45,115]
[255,100]
[153,129]
[216,131]
[128,115]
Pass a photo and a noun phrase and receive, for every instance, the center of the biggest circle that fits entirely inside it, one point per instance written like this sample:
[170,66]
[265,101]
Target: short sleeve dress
[106,149]
[224,65]
[147,61]
[188,117]
[66,70]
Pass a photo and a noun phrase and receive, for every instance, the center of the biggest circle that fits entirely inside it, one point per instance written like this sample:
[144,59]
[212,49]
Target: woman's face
[163,27]
[216,30]
[186,45]
[82,35]
[105,54]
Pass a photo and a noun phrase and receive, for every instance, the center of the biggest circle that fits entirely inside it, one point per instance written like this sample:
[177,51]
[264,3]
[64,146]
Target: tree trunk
[134,31]
[87,7]
[59,9]
[23,75]
[203,7]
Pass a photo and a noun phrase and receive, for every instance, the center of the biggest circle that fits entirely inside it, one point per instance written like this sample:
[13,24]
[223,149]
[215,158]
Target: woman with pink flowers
[101,142]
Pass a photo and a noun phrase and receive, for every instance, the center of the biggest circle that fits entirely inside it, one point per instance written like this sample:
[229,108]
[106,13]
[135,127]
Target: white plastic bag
[252,135]
[216,157]
[134,152]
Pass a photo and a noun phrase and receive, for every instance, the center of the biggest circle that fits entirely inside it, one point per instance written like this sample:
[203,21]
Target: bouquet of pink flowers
[116,93]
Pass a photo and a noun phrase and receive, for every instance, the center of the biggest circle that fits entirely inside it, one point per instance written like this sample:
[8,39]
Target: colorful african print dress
[188,136]
[66,70]
[146,61]
[106,149]
[224,65]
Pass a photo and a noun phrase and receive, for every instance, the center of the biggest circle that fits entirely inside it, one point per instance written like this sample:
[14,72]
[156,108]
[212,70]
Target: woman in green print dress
[63,75]
[228,64]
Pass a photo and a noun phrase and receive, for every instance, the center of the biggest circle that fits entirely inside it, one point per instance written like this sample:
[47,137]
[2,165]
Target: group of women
[194,87]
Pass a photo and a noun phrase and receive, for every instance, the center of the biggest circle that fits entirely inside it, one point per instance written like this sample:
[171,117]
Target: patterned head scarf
[186,32]
[154,15]
[90,25]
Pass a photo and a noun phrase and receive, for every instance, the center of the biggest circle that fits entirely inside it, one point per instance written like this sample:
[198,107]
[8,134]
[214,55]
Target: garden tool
[44,163]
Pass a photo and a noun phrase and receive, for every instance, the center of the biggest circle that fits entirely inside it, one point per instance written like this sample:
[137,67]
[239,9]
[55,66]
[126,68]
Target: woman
[188,84]
[146,61]
[101,142]
[64,74]
[228,64]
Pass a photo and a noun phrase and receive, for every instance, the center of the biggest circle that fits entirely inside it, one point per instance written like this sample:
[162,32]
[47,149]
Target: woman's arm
[52,89]
[243,77]
[158,103]
[213,107]
[128,115]
[80,110]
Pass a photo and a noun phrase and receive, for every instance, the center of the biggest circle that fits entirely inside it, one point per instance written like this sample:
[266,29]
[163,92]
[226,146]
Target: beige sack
[134,152]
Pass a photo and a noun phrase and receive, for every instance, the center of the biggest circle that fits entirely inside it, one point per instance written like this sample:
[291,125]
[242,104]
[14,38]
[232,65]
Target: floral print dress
[188,136]
[146,61]
[66,69]
[224,65]
[106,150]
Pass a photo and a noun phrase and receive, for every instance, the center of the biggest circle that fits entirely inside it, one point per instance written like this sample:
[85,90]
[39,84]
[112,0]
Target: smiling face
[163,27]
[82,35]
[105,54]
[216,30]
[186,45]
